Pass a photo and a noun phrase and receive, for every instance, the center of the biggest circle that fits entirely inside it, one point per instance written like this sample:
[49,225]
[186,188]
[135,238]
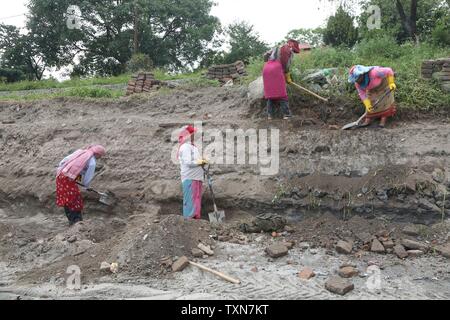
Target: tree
[19,52]
[174,33]
[313,37]
[244,43]
[340,29]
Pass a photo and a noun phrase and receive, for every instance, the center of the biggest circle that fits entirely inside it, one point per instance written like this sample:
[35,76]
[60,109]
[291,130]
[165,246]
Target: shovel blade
[350,125]
[217,217]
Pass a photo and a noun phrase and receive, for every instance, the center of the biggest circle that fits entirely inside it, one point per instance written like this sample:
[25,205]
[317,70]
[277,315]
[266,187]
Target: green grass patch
[83,92]
[53,84]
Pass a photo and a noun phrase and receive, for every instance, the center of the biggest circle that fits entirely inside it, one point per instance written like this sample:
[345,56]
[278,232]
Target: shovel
[107,198]
[357,122]
[216,217]
[309,91]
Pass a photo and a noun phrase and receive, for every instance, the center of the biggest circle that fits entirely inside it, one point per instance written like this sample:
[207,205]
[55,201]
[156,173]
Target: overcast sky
[273,19]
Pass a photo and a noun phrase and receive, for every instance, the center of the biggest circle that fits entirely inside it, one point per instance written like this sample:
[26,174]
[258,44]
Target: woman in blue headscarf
[372,84]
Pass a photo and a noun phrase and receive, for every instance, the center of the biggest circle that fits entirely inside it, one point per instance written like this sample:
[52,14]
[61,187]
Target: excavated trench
[343,182]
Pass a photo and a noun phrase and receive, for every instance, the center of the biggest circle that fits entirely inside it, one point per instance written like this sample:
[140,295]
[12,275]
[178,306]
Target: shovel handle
[310,92]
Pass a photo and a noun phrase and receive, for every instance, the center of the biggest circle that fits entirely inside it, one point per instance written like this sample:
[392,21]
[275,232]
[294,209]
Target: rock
[277,250]
[105,267]
[339,286]
[197,253]
[414,245]
[256,89]
[389,244]
[415,253]
[344,247]
[114,268]
[427,205]
[180,264]
[289,229]
[444,250]
[348,272]
[306,274]
[72,239]
[166,262]
[377,247]
[400,251]
[289,244]
[364,237]
[254,269]
[205,249]
[223,238]
[411,230]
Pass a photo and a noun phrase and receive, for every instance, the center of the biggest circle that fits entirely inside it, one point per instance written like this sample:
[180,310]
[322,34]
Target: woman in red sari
[77,167]
[276,74]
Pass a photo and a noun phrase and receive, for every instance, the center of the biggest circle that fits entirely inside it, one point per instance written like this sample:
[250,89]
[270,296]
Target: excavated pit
[331,185]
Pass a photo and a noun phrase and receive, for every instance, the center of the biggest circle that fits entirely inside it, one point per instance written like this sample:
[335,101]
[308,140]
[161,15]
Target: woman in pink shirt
[372,84]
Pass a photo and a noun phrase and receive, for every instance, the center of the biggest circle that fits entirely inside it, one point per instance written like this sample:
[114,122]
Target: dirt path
[327,180]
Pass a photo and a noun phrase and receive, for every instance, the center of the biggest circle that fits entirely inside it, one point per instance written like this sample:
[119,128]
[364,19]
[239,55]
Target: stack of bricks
[142,82]
[225,73]
[438,69]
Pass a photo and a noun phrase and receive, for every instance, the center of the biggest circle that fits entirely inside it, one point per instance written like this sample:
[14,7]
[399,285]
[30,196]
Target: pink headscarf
[79,159]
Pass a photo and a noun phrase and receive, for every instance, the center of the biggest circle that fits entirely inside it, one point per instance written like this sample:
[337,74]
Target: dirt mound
[173,237]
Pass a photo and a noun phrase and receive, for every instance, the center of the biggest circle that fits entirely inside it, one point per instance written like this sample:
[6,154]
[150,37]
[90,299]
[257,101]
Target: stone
[72,239]
[223,238]
[114,268]
[339,286]
[180,264]
[348,272]
[344,247]
[166,262]
[364,237]
[205,249]
[254,269]
[389,244]
[289,244]
[377,247]
[277,250]
[306,274]
[414,245]
[289,229]
[415,253]
[400,251]
[197,253]
[444,250]
[105,267]
[256,89]
[411,230]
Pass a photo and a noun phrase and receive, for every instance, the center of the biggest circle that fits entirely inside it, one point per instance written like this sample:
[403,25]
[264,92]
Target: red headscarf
[184,135]
[294,45]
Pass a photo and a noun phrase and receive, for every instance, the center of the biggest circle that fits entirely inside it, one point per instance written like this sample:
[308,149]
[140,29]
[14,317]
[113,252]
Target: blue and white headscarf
[357,71]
